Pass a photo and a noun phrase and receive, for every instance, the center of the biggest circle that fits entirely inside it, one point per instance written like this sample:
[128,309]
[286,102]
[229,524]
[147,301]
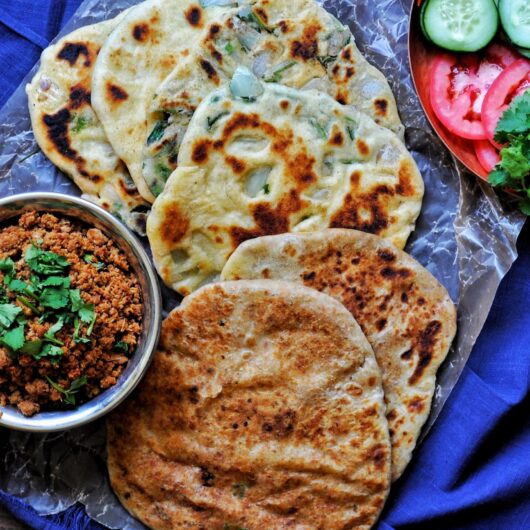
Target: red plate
[421,57]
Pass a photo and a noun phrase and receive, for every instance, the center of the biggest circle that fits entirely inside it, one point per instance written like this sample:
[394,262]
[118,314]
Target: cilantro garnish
[8,314]
[85,311]
[513,130]
[90,259]
[7,266]
[49,350]
[31,347]
[46,263]
[55,297]
[50,334]
[75,387]
[121,347]
[48,294]
[14,338]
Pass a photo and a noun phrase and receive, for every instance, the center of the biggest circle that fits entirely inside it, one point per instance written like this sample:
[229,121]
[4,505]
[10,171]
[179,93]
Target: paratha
[407,316]
[263,409]
[68,131]
[135,59]
[296,43]
[273,160]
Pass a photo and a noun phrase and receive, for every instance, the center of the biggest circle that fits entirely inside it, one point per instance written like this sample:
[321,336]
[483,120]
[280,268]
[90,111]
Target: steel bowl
[95,216]
[421,57]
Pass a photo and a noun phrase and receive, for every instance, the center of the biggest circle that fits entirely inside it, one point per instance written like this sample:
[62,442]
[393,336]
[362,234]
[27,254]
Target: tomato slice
[487,155]
[459,84]
[511,83]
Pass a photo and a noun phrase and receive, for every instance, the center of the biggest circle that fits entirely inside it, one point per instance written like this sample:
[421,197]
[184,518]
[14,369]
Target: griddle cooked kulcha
[296,43]
[407,316]
[135,59]
[261,159]
[69,132]
[263,409]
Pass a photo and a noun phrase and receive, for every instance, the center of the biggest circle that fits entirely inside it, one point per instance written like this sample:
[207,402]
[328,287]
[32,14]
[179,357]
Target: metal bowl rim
[62,420]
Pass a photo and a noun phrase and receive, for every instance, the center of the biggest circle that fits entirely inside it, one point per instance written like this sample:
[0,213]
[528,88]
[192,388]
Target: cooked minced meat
[87,366]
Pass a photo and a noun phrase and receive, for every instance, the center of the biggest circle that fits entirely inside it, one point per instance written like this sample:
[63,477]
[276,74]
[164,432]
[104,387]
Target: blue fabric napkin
[473,470]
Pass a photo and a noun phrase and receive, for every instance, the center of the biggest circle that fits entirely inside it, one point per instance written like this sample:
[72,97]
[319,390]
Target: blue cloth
[473,470]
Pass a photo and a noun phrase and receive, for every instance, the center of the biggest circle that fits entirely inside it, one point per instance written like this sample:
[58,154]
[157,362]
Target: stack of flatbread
[264,158]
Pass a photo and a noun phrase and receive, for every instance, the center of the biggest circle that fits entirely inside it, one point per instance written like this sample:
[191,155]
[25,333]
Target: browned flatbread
[407,316]
[68,130]
[263,410]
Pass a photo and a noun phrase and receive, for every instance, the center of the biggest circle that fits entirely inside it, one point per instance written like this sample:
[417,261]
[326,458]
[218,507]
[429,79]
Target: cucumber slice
[461,25]
[525,52]
[422,21]
[515,19]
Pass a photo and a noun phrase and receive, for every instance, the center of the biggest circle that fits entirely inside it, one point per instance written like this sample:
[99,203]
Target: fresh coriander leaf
[8,314]
[69,395]
[229,48]
[46,263]
[514,160]
[78,383]
[75,298]
[516,119]
[121,347]
[7,266]
[49,350]
[498,177]
[266,188]
[55,297]
[14,338]
[50,334]
[91,260]
[78,339]
[55,385]
[86,313]
[17,286]
[56,281]
[524,206]
[31,347]
[91,325]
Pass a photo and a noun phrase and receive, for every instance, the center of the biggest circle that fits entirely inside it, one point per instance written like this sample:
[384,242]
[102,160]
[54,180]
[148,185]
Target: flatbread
[135,59]
[263,409]
[69,132]
[296,43]
[407,316]
[282,161]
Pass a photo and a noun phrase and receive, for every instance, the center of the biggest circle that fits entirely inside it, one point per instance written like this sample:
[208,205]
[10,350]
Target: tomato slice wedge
[511,83]
[459,84]
[487,155]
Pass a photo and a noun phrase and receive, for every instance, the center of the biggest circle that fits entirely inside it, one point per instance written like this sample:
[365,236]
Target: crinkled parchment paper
[464,237]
